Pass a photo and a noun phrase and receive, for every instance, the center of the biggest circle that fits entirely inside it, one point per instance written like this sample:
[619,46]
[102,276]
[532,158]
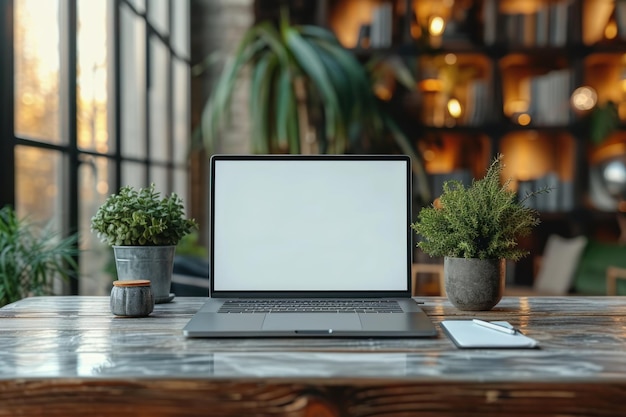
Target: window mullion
[69,108]
[7,114]
[149,34]
[116,123]
[170,103]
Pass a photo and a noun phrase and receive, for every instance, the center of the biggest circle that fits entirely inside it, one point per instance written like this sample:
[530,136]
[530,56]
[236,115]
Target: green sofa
[590,276]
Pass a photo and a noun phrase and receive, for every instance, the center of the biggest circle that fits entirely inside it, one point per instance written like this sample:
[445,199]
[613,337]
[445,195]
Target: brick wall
[216,25]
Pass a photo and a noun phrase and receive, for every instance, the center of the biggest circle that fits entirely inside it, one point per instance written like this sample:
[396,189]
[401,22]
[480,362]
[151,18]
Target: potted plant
[308,94]
[31,257]
[143,230]
[476,229]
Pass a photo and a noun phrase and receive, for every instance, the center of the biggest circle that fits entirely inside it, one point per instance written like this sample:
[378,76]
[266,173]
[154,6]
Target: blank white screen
[310,225]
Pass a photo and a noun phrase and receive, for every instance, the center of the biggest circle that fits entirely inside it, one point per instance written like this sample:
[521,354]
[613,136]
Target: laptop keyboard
[310,306]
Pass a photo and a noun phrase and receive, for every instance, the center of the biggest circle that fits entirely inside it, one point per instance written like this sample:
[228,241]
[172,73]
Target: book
[381,26]
[620,17]
[490,17]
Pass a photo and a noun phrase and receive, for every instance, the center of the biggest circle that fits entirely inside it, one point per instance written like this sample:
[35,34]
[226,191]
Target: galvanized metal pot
[154,263]
[474,284]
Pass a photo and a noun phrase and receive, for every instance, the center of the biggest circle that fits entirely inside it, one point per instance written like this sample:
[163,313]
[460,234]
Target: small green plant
[141,218]
[31,257]
[603,121]
[482,221]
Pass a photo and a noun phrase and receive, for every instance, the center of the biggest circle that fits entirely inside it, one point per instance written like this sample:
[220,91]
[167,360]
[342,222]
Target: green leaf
[293,123]
[285,99]
[318,33]
[312,65]
[260,89]
[380,65]
[208,62]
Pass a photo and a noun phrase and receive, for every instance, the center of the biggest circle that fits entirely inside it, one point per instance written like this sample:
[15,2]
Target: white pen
[494,326]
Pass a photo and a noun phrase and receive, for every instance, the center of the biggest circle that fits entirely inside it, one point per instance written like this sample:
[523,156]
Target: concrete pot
[132,298]
[154,263]
[474,284]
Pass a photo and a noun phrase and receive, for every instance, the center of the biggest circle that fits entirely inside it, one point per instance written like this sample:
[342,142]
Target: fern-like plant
[482,221]
[31,257]
[141,218]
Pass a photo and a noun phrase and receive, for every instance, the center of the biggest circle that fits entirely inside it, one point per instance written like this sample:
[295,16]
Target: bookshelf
[516,77]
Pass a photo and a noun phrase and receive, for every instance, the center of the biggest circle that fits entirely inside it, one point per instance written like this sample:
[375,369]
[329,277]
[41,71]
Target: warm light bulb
[428,155]
[454,108]
[610,32]
[523,119]
[436,26]
[584,98]
[431,85]
[450,59]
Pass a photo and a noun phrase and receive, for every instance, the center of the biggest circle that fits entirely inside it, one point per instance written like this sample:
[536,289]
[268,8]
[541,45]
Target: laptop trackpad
[322,322]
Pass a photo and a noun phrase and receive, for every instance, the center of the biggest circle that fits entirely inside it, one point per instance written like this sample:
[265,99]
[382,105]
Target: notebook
[467,334]
[289,235]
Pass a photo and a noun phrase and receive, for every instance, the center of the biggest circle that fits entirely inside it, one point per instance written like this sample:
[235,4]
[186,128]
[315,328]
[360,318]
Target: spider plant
[30,258]
[301,81]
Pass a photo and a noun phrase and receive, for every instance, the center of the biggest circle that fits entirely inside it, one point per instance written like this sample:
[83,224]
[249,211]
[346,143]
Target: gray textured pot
[474,284]
[154,263]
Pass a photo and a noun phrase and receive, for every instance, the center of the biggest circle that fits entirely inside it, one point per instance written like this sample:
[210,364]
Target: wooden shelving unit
[502,76]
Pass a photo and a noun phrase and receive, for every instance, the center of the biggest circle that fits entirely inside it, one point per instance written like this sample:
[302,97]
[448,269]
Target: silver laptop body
[310,246]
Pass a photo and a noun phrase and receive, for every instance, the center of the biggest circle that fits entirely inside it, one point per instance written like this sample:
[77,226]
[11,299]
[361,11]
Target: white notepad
[467,334]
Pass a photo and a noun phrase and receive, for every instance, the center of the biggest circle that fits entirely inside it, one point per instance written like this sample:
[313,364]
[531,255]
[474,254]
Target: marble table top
[73,344]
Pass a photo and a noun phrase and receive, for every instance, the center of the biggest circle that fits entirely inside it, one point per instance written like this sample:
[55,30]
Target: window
[101,100]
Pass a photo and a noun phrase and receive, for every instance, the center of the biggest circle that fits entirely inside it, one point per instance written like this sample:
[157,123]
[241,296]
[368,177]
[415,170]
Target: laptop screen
[302,224]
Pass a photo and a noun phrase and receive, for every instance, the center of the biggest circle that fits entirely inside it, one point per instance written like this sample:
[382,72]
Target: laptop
[310,246]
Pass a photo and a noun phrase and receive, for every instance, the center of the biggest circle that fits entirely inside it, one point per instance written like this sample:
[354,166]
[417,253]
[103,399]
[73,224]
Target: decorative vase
[474,284]
[154,263]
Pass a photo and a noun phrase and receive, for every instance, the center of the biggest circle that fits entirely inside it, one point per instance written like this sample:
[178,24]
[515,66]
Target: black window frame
[69,149]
